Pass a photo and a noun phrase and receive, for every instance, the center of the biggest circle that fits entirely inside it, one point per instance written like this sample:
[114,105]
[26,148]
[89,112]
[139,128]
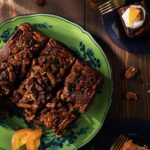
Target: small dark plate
[115,31]
[135,129]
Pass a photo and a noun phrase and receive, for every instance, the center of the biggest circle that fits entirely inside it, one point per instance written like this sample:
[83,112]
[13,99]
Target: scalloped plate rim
[12,19]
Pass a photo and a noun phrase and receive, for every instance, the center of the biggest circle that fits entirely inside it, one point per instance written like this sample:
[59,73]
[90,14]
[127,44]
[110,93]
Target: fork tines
[107,7]
[118,143]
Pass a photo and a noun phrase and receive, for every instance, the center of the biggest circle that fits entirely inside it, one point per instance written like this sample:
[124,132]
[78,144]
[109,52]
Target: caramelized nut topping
[17,55]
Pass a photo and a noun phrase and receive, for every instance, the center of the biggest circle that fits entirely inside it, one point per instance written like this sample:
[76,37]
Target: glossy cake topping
[129,145]
[134,16]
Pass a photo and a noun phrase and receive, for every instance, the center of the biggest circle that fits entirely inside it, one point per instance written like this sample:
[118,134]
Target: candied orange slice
[133,13]
[20,138]
[33,140]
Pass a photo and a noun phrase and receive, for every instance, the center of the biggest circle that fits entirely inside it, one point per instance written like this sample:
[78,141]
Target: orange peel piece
[33,141]
[27,136]
[20,137]
[133,14]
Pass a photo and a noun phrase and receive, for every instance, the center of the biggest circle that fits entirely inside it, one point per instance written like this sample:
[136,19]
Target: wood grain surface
[78,12]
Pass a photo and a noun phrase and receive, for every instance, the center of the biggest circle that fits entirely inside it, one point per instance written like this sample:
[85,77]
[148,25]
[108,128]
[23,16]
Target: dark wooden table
[78,12]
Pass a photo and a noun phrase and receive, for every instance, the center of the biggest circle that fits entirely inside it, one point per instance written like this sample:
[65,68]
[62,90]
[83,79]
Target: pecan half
[41,2]
[131,95]
[130,72]
[148,91]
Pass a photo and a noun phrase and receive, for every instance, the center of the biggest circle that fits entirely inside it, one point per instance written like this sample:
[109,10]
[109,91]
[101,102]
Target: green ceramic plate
[80,42]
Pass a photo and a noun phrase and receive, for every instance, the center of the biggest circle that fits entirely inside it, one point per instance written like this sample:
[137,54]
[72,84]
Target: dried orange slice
[33,141]
[133,13]
[20,138]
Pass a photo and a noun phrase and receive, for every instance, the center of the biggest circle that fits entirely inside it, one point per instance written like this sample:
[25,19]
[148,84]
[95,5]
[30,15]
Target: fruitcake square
[57,117]
[80,86]
[48,70]
[16,56]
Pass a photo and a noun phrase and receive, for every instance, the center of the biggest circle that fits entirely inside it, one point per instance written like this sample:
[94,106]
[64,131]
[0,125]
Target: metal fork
[110,6]
[118,143]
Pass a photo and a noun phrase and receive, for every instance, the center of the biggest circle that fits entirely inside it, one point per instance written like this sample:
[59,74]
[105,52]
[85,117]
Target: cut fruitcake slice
[48,70]
[16,56]
[57,117]
[80,86]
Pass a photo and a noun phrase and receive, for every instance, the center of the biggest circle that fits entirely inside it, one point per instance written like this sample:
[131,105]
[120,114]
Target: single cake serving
[57,116]
[80,86]
[47,71]
[135,19]
[16,56]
